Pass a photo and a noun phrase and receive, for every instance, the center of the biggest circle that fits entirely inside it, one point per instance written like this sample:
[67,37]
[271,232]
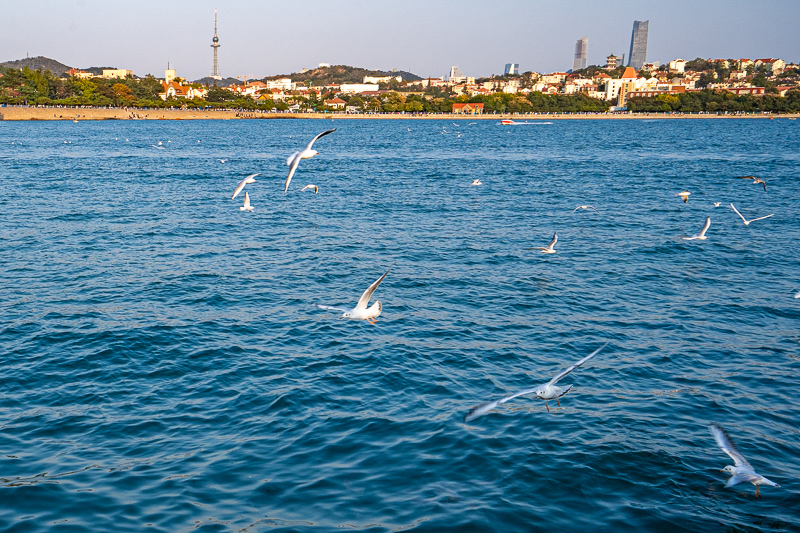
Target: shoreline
[23,113]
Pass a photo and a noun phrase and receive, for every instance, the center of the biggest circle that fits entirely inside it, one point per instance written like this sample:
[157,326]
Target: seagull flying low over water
[248,179]
[550,248]
[585,207]
[310,187]
[307,153]
[361,311]
[548,391]
[477,181]
[741,470]
[246,206]
[755,180]
[716,204]
[702,235]
[747,222]
[684,196]
[220,160]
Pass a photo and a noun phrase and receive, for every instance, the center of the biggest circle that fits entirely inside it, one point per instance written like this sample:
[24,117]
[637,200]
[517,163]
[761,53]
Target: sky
[261,38]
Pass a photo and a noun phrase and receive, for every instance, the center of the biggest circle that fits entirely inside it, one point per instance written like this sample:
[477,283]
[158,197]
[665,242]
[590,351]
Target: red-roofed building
[336,103]
[467,109]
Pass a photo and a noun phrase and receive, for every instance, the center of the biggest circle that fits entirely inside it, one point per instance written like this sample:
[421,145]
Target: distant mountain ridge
[342,74]
[38,63]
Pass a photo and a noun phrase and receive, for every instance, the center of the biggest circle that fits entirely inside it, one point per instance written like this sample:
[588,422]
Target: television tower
[215,45]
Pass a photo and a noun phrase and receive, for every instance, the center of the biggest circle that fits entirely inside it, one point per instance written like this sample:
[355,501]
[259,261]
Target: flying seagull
[248,179]
[548,391]
[550,248]
[741,470]
[747,222]
[755,180]
[702,235]
[361,311]
[246,206]
[716,204]
[220,160]
[310,187]
[585,207]
[684,196]
[294,159]
[477,181]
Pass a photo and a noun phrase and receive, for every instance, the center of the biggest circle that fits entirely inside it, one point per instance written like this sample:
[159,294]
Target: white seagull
[361,311]
[585,207]
[310,187]
[747,222]
[246,206]
[716,204]
[741,470]
[702,235]
[294,159]
[684,196]
[477,181]
[248,179]
[550,248]
[220,160]
[548,391]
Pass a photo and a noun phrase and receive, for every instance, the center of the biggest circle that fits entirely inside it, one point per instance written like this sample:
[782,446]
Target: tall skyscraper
[215,45]
[638,54]
[512,69]
[581,54]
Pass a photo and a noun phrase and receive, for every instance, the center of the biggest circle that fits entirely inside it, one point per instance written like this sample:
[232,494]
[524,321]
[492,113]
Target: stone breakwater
[70,113]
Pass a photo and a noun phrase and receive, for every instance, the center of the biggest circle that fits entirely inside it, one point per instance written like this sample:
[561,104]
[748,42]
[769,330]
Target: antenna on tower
[215,45]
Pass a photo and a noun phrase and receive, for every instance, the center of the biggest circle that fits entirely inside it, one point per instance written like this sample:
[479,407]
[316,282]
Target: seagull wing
[762,218]
[485,407]
[745,177]
[554,241]
[331,308]
[705,227]
[294,163]
[239,188]
[727,445]
[246,200]
[741,478]
[324,133]
[576,365]
[738,213]
[364,300]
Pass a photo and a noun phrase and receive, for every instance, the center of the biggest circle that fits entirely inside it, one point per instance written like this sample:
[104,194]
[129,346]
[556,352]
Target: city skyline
[258,42]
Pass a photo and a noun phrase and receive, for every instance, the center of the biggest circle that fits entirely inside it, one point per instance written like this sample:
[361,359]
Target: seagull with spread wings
[741,470]
[550,248]
[361,311]
[702,235]
[747,222]
[548,391]
[248,179]
[307,153]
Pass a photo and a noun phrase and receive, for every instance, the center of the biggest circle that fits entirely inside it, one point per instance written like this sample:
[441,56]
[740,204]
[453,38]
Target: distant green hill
[342,74]
[38,63]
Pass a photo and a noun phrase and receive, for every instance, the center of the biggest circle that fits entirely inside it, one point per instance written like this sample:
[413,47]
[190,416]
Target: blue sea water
[163,367]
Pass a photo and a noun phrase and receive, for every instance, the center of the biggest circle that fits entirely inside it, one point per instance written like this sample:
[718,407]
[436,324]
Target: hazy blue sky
[266,37]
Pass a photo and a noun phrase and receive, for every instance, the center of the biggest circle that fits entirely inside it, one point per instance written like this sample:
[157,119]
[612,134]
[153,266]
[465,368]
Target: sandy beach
[66,113]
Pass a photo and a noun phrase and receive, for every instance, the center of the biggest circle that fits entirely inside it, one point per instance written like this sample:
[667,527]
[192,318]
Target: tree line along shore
[140,96]
[21,113]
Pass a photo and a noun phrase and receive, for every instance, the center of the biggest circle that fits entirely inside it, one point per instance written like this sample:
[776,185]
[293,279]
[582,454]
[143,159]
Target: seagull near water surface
[546,392]
[248,179]
[684,196]
[550,248]
[307,153]
[741,470]
[585,207]
[361,311]
[246,206]
[310,187]
[755,180]
[747,222]
[702,235]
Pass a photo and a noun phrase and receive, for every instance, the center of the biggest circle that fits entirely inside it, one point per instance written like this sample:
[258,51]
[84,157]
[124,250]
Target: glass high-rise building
[638,54]
[511,68]
[581,54]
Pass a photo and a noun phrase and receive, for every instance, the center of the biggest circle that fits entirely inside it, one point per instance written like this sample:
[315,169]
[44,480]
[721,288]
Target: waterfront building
[467,109]
[581,60]
[511,69]
[215,45]
[358,87]
[677,65]
[638,53]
